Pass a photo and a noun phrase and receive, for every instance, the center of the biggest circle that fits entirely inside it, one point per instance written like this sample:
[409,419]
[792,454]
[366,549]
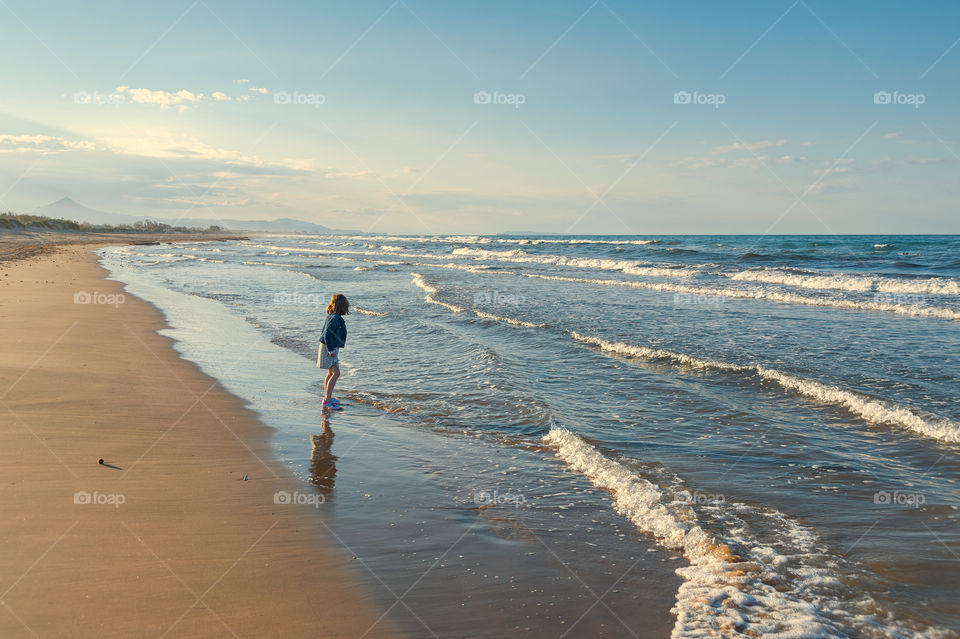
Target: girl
[333,337]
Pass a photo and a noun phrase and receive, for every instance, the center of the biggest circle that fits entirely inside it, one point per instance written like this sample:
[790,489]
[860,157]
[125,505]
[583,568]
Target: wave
[573,241]
[390,253]
[255,263]
[480,239]
[768,296]
[363,311]
[737,584]
[627,266]
[869,409]
[430,290]
[508,320]
[855,283]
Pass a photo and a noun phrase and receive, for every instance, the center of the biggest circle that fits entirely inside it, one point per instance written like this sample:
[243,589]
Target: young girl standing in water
[333,337]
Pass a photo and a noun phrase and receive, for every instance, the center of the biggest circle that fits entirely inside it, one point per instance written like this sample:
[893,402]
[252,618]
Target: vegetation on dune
[18,222]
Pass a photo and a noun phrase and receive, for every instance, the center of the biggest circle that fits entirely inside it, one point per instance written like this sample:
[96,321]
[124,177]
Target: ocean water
[767,427]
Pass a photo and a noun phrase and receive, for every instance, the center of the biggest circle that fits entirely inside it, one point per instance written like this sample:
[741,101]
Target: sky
[405,116]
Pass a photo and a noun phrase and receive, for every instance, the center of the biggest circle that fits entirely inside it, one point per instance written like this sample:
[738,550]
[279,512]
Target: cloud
[819,188]
[748,146]
[697,162]
[43,144]
[924,161]
[242,81]
[182,99]
[164,99]
[751,162]
[893,135]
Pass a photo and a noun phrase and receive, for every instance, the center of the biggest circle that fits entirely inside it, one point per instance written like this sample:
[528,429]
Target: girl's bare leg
[333,374]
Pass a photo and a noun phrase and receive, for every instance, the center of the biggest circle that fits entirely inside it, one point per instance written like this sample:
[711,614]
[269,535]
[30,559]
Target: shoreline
[171,539]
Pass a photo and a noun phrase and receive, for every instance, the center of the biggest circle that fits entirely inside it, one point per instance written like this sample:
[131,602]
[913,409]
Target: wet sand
[165,538]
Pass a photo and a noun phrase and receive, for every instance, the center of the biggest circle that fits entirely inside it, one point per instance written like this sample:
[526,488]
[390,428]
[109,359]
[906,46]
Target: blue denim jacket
[334,333]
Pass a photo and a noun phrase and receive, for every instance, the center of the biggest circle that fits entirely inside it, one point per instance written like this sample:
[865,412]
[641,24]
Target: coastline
[175,541]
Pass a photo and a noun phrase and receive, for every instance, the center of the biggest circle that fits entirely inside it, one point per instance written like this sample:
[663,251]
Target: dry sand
[193,550]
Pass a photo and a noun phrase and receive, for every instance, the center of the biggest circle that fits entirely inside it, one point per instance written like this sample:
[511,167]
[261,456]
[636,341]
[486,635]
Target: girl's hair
[338,304]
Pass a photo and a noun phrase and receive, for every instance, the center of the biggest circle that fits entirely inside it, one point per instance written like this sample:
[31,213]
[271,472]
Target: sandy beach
[165,538]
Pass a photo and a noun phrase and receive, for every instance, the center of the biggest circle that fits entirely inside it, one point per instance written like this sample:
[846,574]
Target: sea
[647,436]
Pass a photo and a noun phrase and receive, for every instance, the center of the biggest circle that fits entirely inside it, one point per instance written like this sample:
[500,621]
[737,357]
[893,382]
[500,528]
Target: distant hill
[68,209]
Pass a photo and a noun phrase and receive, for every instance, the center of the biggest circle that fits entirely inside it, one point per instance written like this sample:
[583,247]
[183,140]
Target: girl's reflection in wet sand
[323,463]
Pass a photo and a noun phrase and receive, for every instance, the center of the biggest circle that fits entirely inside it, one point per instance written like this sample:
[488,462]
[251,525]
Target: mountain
[69,209]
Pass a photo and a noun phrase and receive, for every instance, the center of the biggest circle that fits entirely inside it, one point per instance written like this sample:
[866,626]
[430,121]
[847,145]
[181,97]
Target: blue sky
[373,115]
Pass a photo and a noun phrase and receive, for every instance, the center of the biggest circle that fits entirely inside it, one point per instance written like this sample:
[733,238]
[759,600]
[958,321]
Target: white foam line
[508,320]
[430,290]
[302,251]
[253,263]
[363,311]
[871,410]
[522,257]
[722,595]
[855,283]
[767,296]
[475,239]
[517,256]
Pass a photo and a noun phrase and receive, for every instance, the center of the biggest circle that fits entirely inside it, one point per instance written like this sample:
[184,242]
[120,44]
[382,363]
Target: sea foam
[754,590]
[853,283]
[871,410]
